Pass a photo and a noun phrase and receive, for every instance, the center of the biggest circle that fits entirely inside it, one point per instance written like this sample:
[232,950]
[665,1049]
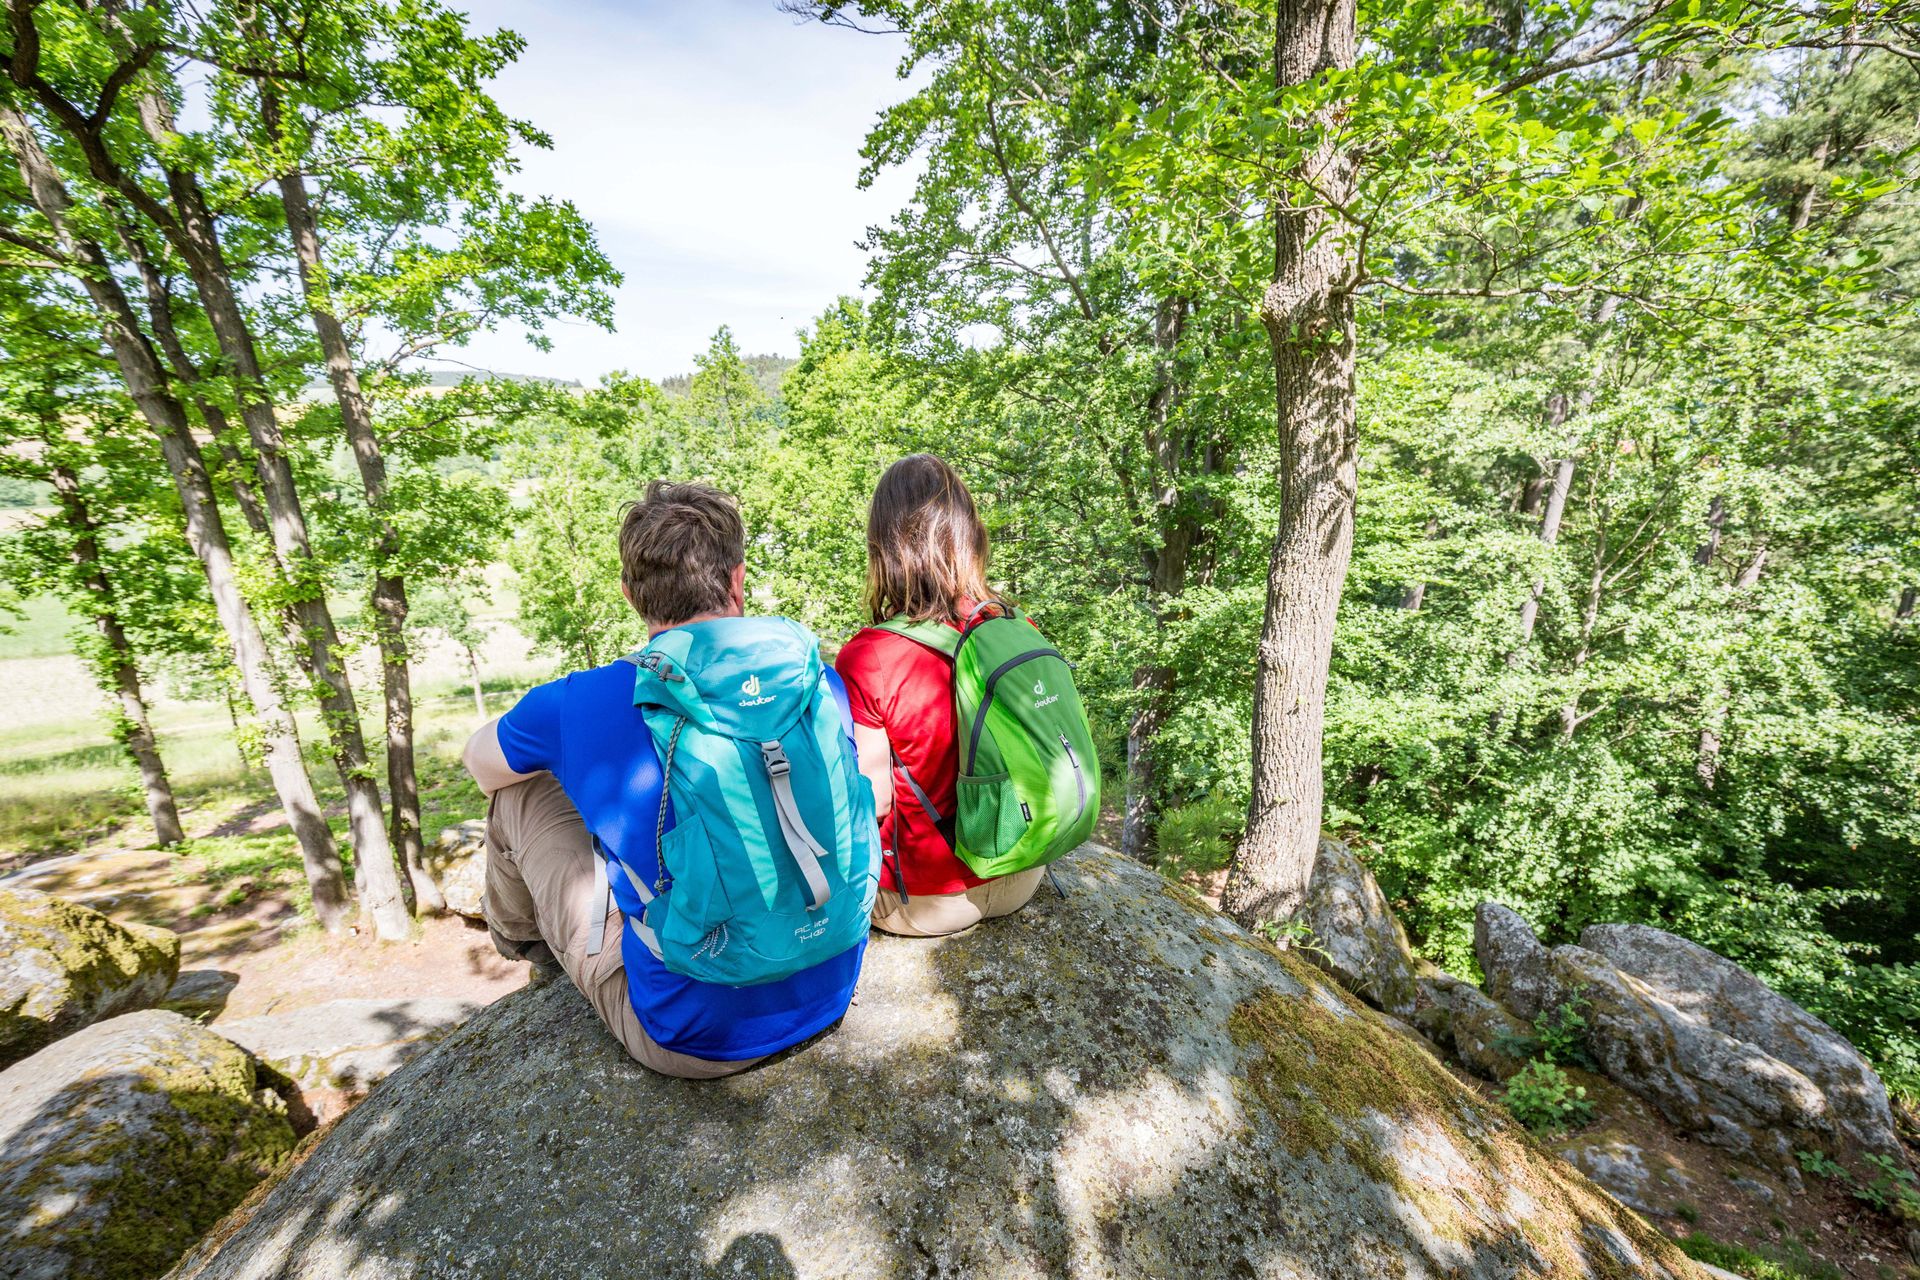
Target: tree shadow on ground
[1079,1090]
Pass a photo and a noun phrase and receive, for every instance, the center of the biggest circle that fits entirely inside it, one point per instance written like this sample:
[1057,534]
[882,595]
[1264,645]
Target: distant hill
[767,372]
[446,379]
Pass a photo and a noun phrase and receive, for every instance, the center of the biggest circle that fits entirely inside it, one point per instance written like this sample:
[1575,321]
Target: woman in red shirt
[926,561]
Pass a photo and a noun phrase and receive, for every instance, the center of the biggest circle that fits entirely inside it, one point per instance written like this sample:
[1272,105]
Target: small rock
[1719,993]
[122,1143]
[458,863]
[63,966]
[1482,1035]
[1515,964]
[1616,1164]
[200,992]
[1360,942]
[348,1045]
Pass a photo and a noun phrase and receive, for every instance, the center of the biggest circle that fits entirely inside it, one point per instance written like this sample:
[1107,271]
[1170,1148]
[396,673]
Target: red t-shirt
[905,688]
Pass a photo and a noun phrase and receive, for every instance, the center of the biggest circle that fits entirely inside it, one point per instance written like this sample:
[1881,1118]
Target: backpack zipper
[986,697]
[1079,780]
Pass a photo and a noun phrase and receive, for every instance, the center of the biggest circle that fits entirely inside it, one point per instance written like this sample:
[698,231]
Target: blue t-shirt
[585,730]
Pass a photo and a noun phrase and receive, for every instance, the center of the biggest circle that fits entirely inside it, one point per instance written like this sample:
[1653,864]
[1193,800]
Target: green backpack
[1029,786]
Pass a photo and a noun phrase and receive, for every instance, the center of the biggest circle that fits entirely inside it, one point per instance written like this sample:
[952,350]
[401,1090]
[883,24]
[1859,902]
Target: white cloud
[715,148]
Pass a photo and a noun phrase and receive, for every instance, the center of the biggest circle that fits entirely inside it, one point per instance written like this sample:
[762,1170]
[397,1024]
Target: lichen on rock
[122,1143]
[63,966]
[1116,1082]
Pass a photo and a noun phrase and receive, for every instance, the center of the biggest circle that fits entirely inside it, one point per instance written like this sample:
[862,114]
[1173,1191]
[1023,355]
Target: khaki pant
[930,915]
[540,879]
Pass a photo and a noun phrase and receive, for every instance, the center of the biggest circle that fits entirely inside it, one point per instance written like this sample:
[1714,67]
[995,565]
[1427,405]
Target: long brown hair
[926,547]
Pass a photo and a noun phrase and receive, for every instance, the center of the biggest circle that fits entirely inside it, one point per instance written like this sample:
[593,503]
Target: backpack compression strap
[806,851]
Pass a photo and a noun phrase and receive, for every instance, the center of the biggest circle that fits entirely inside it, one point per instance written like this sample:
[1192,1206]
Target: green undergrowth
[1198,838]
[1758,1263]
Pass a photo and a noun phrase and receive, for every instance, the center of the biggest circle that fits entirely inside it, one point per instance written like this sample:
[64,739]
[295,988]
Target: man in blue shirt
[572,761]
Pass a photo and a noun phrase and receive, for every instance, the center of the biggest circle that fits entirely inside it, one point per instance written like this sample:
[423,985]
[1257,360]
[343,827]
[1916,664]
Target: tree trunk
[1308,314]
[1706,759]
[1416,595]
[1710,545]
[389,587]
[189,375]
[1589,618]
[1166,566]
[479,690]
[193,233]
[133,729]
[1559,484]
[1908,597]
[146,383]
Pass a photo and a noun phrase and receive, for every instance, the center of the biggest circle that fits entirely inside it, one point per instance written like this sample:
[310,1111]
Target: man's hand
[487,762]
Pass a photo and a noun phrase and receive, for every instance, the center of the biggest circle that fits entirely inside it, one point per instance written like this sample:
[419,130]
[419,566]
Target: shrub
[1542,1097]
[1198,837]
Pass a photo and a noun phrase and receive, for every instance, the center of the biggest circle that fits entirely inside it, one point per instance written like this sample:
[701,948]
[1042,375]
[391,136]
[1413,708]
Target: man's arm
[487,762]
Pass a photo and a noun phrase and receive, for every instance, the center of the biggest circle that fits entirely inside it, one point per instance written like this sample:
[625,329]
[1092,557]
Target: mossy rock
[1113,1083]
[122,1143]
[63,966]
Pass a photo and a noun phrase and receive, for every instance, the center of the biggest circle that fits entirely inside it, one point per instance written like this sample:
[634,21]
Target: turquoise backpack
[774,855]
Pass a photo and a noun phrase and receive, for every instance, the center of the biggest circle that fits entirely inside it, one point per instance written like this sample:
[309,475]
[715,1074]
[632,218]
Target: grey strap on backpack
[807,852]
[602,901]
[919,792]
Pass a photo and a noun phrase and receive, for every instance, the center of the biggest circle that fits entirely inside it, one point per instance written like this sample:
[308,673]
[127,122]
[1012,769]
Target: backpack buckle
[775,758]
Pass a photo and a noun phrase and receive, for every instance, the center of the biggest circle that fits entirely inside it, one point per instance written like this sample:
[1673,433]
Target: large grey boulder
[122,1143]
[348,1045]
[1356,935]
[1516,965]
[63,966]
[1719,993]
[1116,1083]
[1728,1091]
[458,863]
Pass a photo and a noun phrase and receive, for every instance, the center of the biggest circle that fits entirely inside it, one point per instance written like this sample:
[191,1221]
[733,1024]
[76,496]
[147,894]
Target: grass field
[64,782]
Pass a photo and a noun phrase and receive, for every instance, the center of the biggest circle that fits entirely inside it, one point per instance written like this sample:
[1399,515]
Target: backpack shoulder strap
[939,637]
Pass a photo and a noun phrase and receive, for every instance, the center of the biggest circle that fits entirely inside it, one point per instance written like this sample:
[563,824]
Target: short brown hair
[926,547]
[679,546]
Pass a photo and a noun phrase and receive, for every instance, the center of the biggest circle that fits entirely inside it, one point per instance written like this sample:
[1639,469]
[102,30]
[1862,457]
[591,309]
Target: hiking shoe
[542,972]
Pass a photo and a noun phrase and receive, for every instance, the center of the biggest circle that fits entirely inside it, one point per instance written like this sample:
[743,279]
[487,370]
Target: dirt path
[278,961]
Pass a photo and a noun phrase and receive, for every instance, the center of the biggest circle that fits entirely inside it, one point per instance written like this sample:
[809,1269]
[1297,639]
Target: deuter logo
[751,687]
[1040,688]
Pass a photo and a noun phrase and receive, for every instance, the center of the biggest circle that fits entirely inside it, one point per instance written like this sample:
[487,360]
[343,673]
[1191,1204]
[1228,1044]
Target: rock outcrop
[1517,967]
[63,966]
[458,863]
[348,1045]
[1486,1039]
[1119,1082]
[122,1143]
[1710,989]
[1357,937]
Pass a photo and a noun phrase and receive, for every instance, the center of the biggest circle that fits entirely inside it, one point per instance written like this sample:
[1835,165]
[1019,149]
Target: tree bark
[146,383]
[1710,545]
[1559,484]
[133,728]
[1909,596]
[1166,568]
[190,227]
[479,690]
[389,596]
[1307,310]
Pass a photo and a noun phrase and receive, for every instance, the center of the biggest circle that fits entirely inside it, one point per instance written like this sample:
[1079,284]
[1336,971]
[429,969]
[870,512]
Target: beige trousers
[931,915]
[540,880]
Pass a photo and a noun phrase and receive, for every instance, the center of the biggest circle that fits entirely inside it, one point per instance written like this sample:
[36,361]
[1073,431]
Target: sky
[714,145]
